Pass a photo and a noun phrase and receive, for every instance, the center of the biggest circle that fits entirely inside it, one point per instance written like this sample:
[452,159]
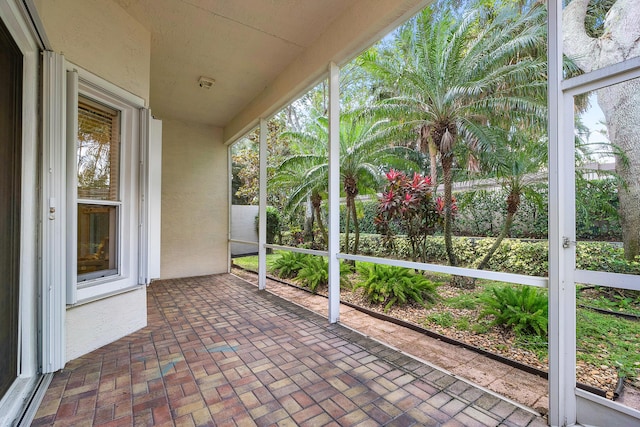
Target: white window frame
[81,82]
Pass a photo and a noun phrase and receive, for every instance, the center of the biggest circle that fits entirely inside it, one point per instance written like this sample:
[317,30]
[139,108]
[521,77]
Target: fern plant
[289,264]
[389,285]
[315,272]
[524,309]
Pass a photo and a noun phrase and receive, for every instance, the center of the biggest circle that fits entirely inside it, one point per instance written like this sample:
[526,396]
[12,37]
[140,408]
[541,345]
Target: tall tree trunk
[619,103]
[356,227]
[316,200]
[504,233]
[426,145]
[433,165]
[513,203]
[447,172]
[308,220]
[621,107]
[347,221]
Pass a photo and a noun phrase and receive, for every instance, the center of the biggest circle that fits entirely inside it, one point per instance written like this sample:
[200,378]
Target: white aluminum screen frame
[591,405]
[564,407]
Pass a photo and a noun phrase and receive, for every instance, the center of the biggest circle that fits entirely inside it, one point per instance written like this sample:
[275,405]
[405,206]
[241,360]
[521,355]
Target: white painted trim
[29,320]
[606,76]
[150,198]
[106,295]
[129,244]
[262,209]
[246,242]
[562,378]
[520,279]
[154,199]
[14,403]
[20,28]
[230,206]
[580,406]
[53,213]
[72,173]
[299,250]
[334,193]
[39,386]
[143,206]
[596,410]
[30,12]
[612,280]
[99,84]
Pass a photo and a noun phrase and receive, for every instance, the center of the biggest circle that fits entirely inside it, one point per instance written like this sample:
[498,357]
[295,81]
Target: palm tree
[516,163]
[303,175]
[303,186]
[449,78]
[366,149]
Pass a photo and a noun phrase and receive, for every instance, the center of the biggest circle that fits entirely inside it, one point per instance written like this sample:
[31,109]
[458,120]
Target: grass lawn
[251,262]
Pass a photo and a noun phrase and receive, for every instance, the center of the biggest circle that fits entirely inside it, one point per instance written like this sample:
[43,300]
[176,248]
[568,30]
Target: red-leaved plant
[408,203]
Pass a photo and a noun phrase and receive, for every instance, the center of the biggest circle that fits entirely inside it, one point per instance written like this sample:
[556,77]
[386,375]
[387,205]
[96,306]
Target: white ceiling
[243,44]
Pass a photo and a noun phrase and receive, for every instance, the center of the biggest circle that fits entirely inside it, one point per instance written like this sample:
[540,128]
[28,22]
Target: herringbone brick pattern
[219,352]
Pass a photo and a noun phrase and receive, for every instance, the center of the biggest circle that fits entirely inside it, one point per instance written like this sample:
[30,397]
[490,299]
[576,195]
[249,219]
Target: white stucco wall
[101,37]
[243,219]
[90,326]
[194,200]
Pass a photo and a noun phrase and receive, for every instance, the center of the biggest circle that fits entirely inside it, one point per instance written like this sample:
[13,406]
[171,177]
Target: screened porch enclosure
[568,404]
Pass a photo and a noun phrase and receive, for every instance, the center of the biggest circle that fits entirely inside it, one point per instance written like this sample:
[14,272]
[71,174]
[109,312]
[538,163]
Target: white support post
[229,205]
[71,178]
[562,375]
[334,193]
[262,210]
[53,213]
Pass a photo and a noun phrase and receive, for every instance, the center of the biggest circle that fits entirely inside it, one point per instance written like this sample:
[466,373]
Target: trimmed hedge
[513,255]
[482,213]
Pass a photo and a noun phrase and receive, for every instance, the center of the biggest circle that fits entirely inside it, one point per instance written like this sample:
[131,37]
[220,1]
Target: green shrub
[523,309]
[311,270]
[315,272]
[289,264]
[482,213]
[604,256]
[513,256]
[273,224]
[516,256]
[389,285]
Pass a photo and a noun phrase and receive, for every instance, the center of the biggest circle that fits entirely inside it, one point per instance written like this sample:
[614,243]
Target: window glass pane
[96,240]
[98,151]
[600,33]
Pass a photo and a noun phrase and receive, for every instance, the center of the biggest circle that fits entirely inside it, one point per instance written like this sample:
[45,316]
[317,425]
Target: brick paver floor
[217,351]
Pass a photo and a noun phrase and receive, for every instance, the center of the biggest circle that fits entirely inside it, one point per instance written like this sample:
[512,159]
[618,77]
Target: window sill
[104,295]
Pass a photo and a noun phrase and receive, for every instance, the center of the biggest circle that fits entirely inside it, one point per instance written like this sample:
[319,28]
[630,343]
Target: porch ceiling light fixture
[206,82]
